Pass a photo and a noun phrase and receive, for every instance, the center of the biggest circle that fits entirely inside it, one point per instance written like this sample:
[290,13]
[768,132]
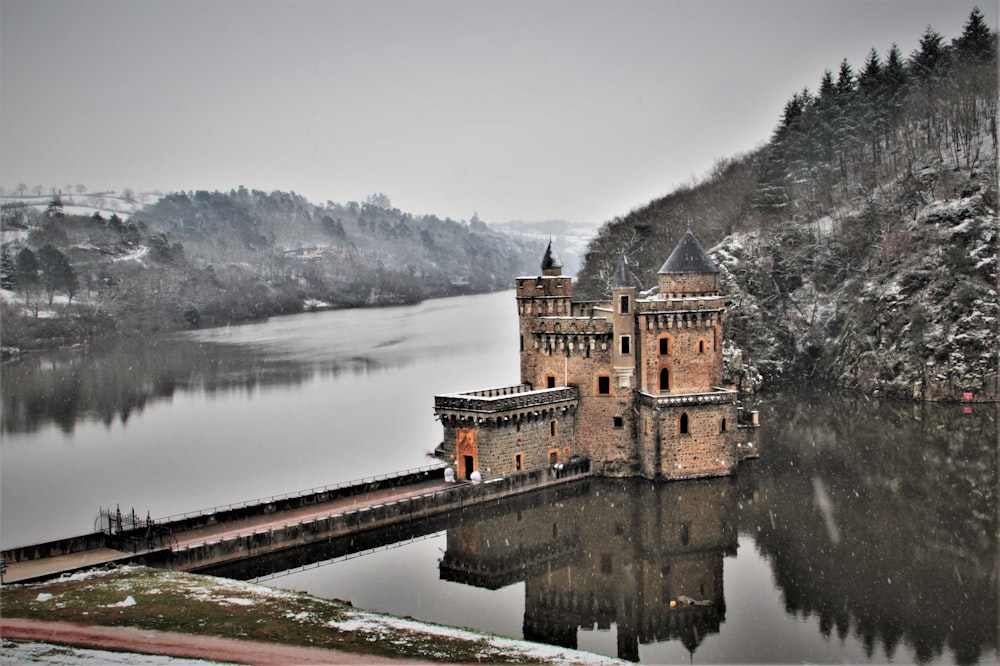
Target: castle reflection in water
[645,557]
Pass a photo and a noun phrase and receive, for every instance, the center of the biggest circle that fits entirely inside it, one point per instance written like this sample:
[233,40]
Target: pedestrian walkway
[48,567]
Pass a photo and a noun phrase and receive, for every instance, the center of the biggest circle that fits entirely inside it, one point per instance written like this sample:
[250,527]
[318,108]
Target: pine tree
[977,44]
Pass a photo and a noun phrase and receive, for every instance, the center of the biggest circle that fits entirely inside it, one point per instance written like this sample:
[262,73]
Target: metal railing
[300,493]
[544,476]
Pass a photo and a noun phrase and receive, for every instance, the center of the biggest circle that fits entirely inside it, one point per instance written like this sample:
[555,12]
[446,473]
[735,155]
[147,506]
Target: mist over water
[866,532]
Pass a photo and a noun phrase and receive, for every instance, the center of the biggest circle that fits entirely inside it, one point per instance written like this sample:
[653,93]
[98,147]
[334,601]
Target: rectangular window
[624,305]
[626,345]
[550,382]
[518,461]
[619,422]
[552,429]
[604,385]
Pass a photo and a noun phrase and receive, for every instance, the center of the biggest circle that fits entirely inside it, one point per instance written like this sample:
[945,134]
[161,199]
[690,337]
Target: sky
[517,110]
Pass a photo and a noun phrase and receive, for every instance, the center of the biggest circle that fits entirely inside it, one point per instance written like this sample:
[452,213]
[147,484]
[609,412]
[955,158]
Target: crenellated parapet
[505,405]
[718,396]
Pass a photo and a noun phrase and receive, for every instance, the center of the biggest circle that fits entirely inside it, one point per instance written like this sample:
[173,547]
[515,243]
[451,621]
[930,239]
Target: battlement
[571,325]
[718,396]
[505,400]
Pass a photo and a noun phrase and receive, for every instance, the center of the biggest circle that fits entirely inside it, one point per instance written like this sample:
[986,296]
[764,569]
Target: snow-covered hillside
[108,203]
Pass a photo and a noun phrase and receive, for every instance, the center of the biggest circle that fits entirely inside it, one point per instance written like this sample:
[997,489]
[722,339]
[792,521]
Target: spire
[688,257]
[623,276]
[551,263]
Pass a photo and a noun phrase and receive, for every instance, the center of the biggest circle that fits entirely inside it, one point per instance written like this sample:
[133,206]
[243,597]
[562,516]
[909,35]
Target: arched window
[664,381]
[723,425]
[701,346]
[684,424]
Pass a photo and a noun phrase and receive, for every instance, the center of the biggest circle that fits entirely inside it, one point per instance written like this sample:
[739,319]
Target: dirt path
[130,639]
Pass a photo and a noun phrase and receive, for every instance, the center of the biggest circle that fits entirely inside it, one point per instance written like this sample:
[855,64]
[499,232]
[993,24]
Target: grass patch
[204,605]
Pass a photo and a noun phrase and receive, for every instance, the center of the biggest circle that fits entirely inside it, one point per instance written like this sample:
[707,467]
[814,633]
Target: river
[866,532]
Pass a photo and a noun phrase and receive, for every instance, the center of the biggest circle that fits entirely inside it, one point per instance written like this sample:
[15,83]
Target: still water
[867,531]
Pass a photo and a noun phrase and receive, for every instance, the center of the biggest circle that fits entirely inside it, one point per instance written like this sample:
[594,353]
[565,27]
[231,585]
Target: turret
[623,318]
[689,271]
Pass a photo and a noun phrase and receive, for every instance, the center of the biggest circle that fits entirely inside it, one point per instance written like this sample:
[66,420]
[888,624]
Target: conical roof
[623,276]
[688,257]
[551,259]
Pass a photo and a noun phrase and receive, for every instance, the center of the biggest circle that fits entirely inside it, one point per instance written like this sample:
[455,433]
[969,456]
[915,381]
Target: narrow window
[552,429]
[522,343]
[566,455]
[604,385]
[664,381]
[553,456]
[684,424]
[619,422]
[701,346]
[665,346]
[626,345]
[624,305]
[723,425]
[518,462]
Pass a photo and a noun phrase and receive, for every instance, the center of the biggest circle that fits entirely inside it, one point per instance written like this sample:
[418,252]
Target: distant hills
[149,262]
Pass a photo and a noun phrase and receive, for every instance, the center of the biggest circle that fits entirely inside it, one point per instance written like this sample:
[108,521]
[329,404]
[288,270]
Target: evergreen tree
[8,271]
[930,60]
[977,44]
[56,273]
[26,267]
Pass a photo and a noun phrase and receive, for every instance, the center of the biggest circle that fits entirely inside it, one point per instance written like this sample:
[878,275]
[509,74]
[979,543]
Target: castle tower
[544,296]
[623,321]
[687,420]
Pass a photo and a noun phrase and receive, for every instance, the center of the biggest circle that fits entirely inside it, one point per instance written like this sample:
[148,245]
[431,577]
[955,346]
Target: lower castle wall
[705,450]
[533,438]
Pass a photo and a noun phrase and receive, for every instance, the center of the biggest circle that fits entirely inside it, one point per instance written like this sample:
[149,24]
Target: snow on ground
[380,625]
[135,255]
[15,652]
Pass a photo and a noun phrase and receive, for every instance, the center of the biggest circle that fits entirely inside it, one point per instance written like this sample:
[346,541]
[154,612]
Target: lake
[866,532]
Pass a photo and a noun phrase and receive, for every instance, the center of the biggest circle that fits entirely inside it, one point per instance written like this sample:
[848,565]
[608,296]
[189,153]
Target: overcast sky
[515,110]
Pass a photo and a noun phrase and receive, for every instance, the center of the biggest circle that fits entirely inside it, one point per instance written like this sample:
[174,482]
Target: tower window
[701,346]
[723,425]
[665,345]
[604,385]
[623,305]
[550,381]
[664,380]
[684,424]
[552,429]
[626,344]
[518,462]
[619,422]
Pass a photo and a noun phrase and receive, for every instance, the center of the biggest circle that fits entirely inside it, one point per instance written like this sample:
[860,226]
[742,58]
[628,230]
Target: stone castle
[634,384]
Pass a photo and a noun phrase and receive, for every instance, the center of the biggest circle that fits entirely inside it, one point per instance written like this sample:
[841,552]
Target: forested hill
[210,258]
[859,244]
[350,250]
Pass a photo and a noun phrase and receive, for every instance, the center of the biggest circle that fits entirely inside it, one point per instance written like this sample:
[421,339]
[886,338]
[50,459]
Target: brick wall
[689,283]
